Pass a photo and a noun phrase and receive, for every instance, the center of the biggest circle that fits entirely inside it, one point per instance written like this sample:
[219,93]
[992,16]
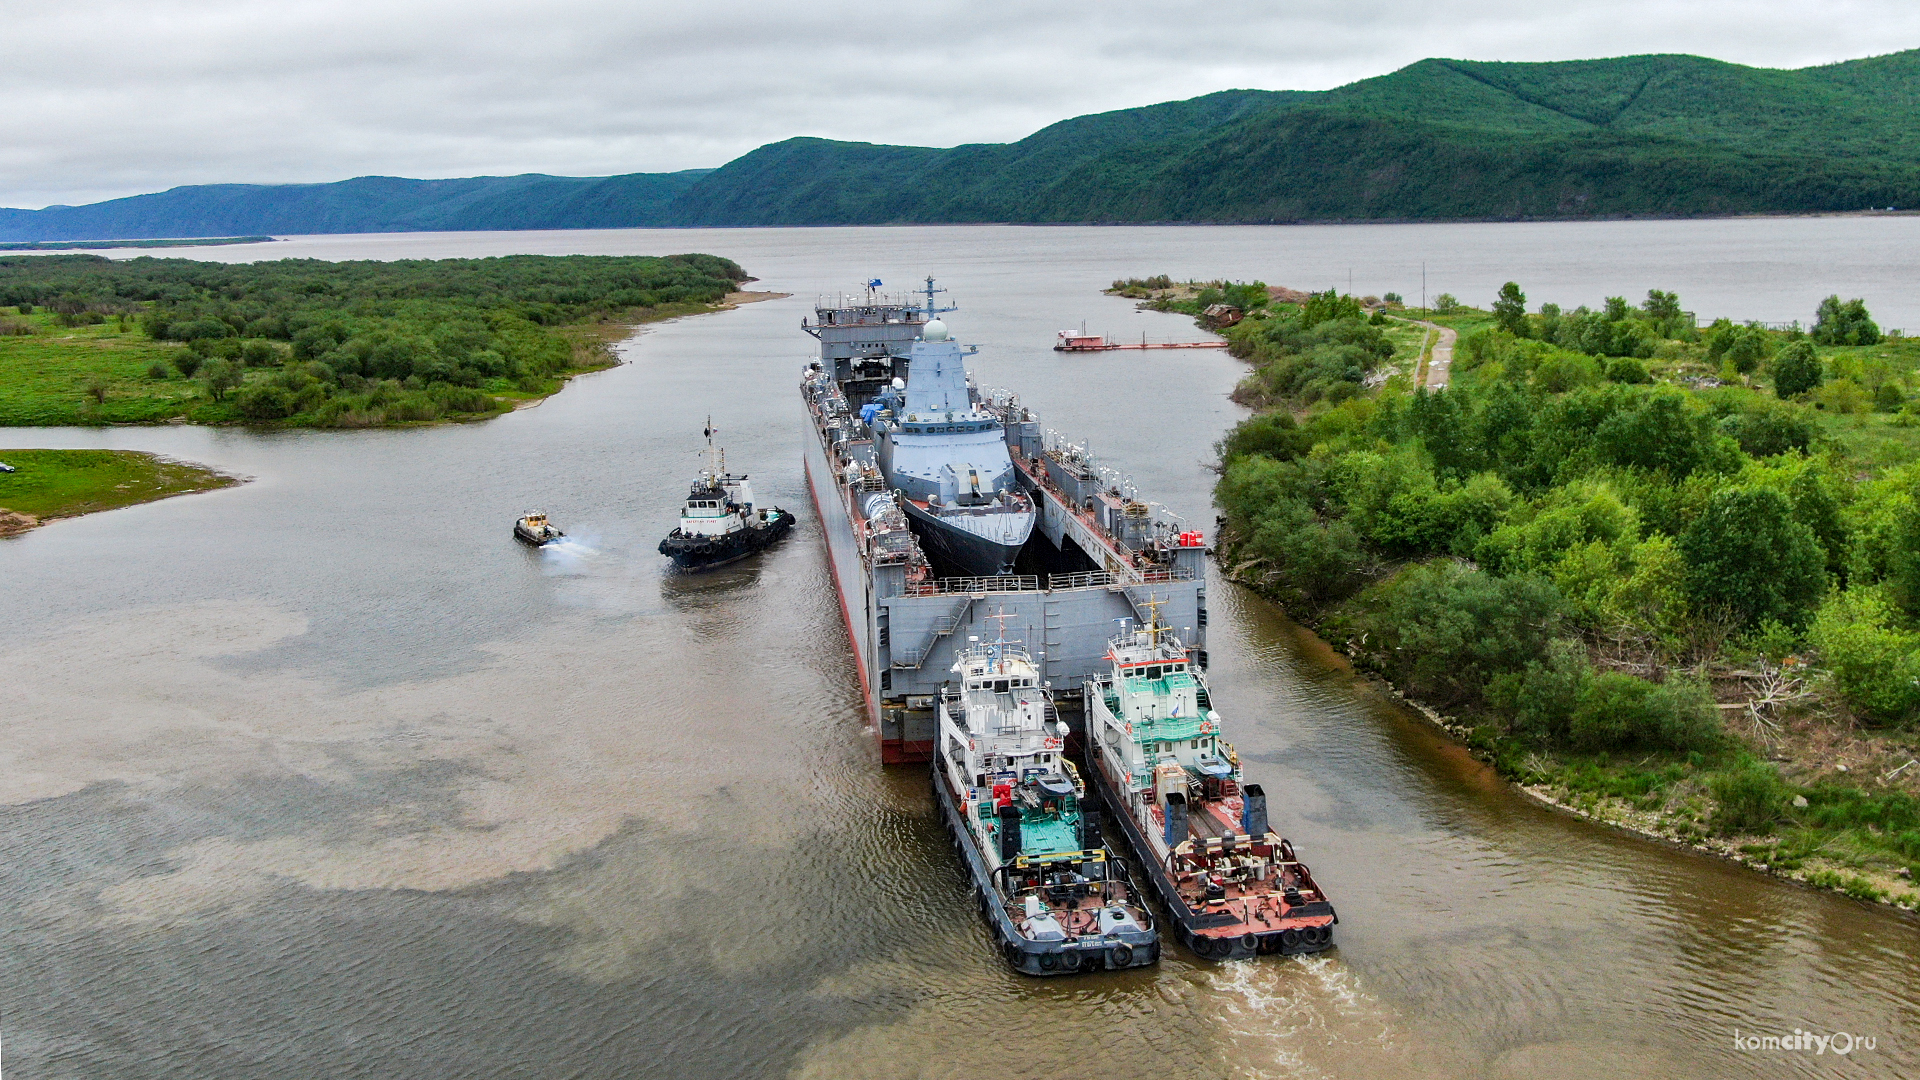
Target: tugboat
[1234,888]
[718,524]
[1057,900]
[536,530]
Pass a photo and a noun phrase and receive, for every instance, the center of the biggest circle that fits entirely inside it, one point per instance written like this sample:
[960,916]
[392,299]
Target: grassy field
[45,377]
[53,484]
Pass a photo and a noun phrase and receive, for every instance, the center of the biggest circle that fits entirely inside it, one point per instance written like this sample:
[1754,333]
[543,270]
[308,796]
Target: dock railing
[1004,583]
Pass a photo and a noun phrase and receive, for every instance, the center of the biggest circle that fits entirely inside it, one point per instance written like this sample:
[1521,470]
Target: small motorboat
[535,529]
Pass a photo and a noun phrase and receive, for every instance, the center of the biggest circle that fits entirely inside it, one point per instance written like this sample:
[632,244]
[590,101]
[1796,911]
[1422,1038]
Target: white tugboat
[1233,886]
[1057,900]
[719,524]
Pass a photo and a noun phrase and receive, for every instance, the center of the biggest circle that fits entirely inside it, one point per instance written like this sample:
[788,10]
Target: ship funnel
[1176,818]
[1009,833]
[1253,811]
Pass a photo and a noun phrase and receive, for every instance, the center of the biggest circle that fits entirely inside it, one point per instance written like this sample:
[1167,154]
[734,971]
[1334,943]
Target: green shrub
[1540,701]
[1626,369]
[1274,434]
[1836,323]
[156,371]
[1621,712]
[264,402]
[187,362]
[1750,795]
[1768,428]
[1746,553]
[1875,664]
[1447,630]
[1796,370]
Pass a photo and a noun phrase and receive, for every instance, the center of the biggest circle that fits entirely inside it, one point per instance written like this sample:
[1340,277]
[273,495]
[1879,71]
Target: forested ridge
[300,341]
[1668,135]
[1669,572]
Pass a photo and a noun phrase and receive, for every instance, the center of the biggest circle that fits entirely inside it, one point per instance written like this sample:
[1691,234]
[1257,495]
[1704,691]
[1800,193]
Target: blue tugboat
[719,524]
[1057,900]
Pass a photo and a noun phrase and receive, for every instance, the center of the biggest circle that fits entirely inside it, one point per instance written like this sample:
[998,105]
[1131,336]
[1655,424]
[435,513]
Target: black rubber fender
[1070,961]
[1250,942]
[1289,937]
[1123,955]
[1049,961]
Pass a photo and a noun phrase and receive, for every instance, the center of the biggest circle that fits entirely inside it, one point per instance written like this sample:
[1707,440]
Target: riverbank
[1657,575]
[1679,812]
[48,485]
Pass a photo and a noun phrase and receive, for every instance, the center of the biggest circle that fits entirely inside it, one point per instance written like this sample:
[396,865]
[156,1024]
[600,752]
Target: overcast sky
[104,98]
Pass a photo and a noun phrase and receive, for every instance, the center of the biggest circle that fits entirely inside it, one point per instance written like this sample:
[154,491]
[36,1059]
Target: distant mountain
[364,204]
[1437,140]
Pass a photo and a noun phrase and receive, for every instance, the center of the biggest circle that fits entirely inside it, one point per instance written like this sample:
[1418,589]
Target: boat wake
[568,556]
[1305,1016]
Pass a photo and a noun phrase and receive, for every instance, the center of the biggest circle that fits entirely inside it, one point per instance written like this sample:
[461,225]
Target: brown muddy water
[325,775]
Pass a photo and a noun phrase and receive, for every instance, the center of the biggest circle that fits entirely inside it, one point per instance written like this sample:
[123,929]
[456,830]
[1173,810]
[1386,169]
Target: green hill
[1440,139]
[1437,140]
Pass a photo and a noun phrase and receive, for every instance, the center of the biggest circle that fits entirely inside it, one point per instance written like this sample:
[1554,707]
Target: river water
[324,775]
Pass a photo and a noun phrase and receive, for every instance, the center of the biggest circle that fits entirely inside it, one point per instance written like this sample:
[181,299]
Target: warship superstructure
[1233,887]
[1055,899]
[1096,552]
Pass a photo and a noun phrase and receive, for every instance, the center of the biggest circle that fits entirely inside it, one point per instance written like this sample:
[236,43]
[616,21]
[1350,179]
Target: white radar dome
[935,331]
[899,383]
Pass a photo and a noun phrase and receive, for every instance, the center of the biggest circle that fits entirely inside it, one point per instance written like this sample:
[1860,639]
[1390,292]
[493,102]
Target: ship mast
[930,291]
[716,458]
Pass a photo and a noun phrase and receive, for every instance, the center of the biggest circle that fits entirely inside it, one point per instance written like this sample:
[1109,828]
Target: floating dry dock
[1097,556]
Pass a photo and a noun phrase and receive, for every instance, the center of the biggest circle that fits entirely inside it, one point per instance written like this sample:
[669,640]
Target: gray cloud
[113,97]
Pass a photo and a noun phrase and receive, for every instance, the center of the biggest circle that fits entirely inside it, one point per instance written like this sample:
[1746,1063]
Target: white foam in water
[568,556]
[1289,1006]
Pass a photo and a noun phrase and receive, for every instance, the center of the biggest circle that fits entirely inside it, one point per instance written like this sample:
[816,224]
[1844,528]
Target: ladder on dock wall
[943,626]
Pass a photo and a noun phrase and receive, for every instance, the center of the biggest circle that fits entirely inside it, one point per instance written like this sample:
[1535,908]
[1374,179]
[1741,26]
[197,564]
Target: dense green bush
[1621,712]
[1875,663]
[1750,795]
[1274,434]
[1836,323]
[1796,370]
[1446,630]
[1747,554]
